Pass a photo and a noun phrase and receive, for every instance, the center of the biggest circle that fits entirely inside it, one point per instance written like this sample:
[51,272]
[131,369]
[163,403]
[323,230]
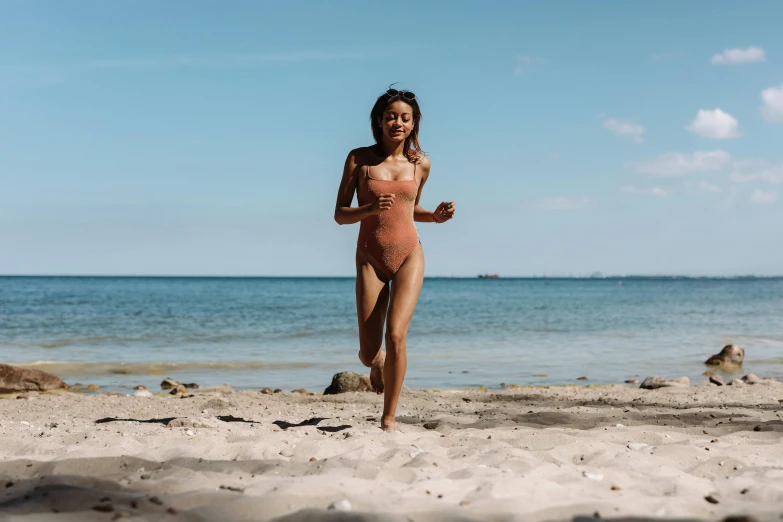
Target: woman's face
[397,121]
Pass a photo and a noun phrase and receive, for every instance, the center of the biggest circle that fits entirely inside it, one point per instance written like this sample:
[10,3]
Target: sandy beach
[550,453]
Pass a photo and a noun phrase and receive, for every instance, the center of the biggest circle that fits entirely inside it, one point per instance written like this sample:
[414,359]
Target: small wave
[764,361]
[57,343]
[65,369]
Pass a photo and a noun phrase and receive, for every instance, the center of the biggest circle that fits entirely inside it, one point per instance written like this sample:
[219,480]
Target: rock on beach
[344,382]
[653,383]
[731,356]
[14,379]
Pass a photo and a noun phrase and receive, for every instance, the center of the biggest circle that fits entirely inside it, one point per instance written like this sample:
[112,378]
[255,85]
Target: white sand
[525,454]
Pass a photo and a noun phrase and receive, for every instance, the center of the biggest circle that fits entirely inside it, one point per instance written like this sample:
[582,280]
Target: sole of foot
[376,375]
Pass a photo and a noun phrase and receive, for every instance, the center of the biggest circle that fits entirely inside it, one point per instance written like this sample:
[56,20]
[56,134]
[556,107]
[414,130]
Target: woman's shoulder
[362,155]
[423,161]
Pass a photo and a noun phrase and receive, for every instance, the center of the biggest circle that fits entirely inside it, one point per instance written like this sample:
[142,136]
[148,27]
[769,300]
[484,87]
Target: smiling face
[397,121]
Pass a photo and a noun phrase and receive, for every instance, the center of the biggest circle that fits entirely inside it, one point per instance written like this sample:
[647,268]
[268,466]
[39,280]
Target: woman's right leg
[372,302]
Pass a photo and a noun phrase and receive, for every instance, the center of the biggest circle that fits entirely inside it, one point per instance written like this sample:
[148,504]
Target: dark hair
[411,149]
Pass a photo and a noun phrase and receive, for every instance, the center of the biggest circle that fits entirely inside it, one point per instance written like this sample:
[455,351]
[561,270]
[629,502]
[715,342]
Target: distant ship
[489,276]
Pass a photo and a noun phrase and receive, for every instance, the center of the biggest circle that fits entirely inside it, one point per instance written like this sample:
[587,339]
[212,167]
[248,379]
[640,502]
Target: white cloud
[653,191]
[763,198]
[561,203]
[773,103]
[737,56]
[714,124]
[632,130]
[757,170]
[679,164]
[708,187]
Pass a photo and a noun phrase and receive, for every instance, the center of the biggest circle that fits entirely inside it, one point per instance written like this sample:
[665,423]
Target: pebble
[636,446]
[751,378]
[190,433]
[341,505]
[287,453]
[716,379]
[711,499]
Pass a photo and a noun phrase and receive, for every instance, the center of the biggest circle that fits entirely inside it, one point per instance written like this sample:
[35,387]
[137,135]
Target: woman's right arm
[344,213]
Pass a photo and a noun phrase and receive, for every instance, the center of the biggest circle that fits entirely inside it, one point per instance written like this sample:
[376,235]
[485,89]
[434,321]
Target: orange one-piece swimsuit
[389,237]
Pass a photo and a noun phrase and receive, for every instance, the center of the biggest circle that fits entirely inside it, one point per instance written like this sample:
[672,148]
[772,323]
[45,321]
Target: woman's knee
[395,340]
[369,348]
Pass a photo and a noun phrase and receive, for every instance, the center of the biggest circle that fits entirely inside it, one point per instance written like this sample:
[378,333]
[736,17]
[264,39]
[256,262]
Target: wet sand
[550,453]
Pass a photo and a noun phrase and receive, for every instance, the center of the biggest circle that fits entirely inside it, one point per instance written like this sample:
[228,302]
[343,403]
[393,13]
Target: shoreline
[536,453]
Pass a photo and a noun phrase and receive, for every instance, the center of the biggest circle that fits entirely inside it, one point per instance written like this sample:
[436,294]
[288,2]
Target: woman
[388,178]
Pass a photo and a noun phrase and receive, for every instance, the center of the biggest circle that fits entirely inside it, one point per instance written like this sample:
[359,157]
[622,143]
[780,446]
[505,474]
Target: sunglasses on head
[405,95]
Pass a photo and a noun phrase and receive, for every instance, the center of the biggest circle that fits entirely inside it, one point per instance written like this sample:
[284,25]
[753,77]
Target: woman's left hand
[444,212]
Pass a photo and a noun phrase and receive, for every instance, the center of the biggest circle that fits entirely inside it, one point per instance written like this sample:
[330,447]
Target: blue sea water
[118,332]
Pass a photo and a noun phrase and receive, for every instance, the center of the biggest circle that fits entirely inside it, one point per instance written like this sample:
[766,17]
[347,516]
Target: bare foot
[389,425]
[376,374]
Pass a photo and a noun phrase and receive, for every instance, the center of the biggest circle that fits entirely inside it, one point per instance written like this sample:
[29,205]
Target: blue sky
[205,138]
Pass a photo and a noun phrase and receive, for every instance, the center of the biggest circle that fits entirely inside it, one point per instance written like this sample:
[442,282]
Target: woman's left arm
[444,211]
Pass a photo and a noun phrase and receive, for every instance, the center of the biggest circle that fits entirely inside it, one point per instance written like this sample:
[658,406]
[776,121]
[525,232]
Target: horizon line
[607,276]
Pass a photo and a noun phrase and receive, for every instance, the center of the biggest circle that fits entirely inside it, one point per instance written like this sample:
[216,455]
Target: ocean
[117,332]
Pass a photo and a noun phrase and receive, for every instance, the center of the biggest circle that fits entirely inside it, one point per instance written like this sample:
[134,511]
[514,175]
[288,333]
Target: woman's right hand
[383,203]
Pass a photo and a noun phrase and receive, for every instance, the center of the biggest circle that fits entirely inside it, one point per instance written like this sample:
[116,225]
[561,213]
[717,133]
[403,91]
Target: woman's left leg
[405,290]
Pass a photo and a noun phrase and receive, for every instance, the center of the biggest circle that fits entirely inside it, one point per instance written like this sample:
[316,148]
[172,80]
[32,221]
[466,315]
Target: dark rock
[632,381]
[431,425]
[179,389]
[344,382]
[14,379]
[730,357]
[583,378]
[717,379]
[168,384]
[93,387]
[266,391]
